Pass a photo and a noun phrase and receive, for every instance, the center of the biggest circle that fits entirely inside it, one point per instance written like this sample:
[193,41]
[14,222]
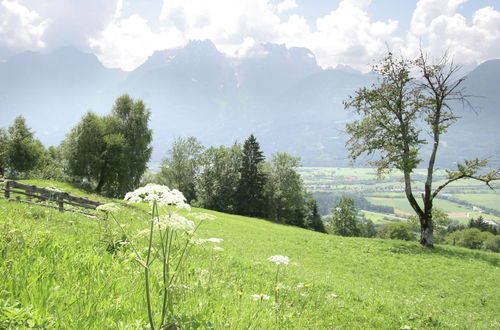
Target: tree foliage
[251,198]
[180,169]
[286,190]
[410,95]
[23,150]
[219,179]
[111,151]
[4,156]
[345,221]
[313,220]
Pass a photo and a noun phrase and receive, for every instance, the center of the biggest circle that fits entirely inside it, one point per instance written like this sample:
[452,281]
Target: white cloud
[227,23]
[74,22]
[20,27]
[127,43]
[286,5]
[439,28]
[346,36]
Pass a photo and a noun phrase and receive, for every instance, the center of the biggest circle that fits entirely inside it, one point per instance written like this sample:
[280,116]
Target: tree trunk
[98,189]
[426,232]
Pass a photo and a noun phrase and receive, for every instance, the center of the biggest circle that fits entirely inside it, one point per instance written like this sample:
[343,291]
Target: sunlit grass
[55,270]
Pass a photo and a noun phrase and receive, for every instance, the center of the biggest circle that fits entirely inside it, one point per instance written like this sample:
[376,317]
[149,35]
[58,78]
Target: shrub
[471,238]
[397,230]
[492,243]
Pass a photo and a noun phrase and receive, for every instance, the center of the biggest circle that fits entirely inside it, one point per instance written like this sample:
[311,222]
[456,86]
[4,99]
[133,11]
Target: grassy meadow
[58,271]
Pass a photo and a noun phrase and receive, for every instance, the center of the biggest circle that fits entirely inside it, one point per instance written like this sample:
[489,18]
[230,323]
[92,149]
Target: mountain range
[281,95]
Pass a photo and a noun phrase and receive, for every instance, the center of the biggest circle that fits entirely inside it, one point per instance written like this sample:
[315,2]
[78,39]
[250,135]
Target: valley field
[461,200]
[58,271]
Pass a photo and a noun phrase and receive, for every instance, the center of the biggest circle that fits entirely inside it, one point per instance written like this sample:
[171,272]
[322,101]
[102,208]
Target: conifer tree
[251,199]
[314,218]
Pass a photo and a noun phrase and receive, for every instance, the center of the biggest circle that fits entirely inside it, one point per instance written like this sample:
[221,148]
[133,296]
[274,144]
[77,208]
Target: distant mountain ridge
[280,94]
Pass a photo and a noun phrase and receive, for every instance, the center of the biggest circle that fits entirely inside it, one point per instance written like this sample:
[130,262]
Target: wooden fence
[43,195]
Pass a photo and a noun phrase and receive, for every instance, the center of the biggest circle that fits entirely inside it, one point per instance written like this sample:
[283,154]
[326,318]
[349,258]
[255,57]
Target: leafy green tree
[111,151]
[368,229]
[23,151]
[251,197]
[287,190]
[4,143]
[314,220]
[397,230]
[482,225]
[410,95]
[471,238]
[218,182]
[181,168]
[50,166]
[492,243]
[345,220]
[133,122]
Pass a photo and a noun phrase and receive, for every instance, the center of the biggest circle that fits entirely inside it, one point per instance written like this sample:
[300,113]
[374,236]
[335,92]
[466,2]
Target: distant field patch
[491,201]
[401,212]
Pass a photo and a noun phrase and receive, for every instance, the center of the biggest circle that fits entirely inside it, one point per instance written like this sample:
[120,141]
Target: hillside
[282,96]
[58,273]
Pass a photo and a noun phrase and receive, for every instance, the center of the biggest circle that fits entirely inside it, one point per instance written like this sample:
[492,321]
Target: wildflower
[333,295]
[214,240]
[218,249]
[198,241]
[260,296]
[108,207]
[175,222]
[279,259]
[300,285]
[161,194]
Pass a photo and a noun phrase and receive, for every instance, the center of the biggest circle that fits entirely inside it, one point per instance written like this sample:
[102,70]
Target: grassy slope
[56,270]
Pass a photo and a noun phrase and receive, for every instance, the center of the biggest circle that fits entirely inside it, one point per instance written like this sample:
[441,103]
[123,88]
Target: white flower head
[161,194]
[175,222]
[279,259]
[260,296]
[214,240]
[108,207]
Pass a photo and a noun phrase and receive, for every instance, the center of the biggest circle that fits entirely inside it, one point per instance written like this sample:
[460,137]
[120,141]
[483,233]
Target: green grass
[490,200]
[56,272]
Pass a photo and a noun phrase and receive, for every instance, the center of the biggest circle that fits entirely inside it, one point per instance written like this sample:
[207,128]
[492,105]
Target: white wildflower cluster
[161,194]
[279,259]
[200,241]
[175,222]
[203,216]
[214,240]
[260,296]
[108,207]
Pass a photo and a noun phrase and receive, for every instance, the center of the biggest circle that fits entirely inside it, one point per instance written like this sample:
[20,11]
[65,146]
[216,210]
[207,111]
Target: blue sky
[124,33]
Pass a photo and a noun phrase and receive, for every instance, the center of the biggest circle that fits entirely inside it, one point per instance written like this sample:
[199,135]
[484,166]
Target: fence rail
[44,195]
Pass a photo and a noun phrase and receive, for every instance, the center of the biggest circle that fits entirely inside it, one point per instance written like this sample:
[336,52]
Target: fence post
[7,189]
[60,202]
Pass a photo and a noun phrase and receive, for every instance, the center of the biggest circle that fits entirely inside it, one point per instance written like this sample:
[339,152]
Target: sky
[124,33]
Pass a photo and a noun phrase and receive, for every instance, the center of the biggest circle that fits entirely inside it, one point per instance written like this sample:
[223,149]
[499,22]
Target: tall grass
[57,272]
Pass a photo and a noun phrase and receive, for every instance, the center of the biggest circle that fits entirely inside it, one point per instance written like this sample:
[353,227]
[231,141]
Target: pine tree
[314,218]
[251,199]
